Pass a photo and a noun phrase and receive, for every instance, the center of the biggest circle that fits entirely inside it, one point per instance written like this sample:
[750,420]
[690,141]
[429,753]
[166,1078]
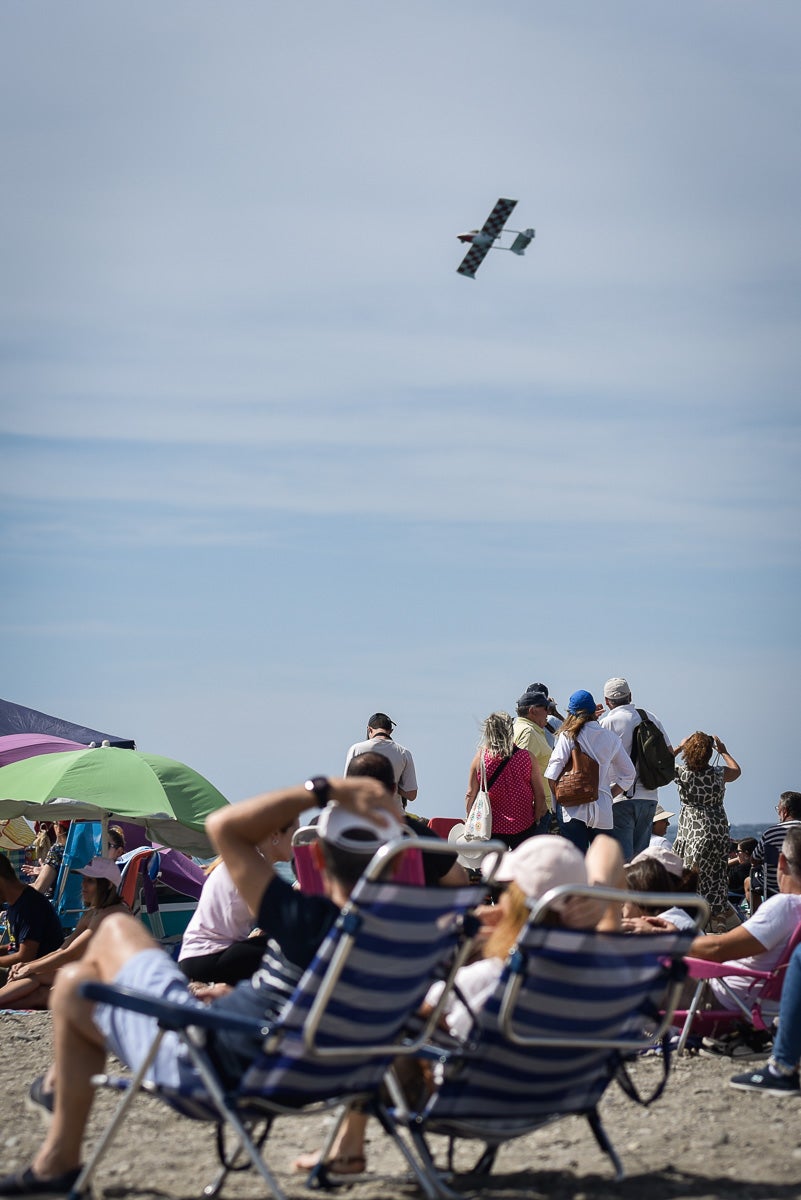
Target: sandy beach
[700,1141]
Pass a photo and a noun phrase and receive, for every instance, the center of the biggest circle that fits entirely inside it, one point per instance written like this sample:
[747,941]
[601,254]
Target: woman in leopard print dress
[703,834]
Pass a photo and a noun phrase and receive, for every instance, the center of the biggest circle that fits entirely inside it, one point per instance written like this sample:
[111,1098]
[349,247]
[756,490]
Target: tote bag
[478,826]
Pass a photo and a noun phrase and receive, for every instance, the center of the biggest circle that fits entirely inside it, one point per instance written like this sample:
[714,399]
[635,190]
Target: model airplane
[483,240]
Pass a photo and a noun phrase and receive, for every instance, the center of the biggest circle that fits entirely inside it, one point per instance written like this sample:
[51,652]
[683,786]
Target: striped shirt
[767,852]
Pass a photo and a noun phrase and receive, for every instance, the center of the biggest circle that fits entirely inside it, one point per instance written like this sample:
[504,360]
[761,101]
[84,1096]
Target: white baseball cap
[541,863]
[340,827]
[102,868]
[671,861]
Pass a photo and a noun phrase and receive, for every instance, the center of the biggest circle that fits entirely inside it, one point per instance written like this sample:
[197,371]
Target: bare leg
[22,993]
[78,1047]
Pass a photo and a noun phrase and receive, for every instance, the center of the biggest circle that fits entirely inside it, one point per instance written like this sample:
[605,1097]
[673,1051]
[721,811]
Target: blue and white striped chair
[349,1017]
[568,1007]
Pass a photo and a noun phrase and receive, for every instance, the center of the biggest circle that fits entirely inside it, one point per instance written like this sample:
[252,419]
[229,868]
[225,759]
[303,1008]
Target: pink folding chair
[765,986]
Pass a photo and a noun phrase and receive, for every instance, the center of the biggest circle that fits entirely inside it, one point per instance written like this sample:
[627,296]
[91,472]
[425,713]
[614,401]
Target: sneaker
[25,1183]
[765,1080]
[38,1100]
[734,1048]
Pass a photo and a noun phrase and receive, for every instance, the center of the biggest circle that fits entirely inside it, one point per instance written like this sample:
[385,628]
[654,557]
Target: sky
[270,465]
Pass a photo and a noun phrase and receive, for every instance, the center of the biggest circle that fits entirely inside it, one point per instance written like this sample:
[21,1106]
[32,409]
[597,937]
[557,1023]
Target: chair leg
[82,1182]
[688,1020]
[486,1162]
[602,1138]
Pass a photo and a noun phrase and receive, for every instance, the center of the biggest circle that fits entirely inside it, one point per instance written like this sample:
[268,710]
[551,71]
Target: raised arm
[732,769]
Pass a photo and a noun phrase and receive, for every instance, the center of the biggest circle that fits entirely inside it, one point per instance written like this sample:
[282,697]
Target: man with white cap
[356,819]
[632,812]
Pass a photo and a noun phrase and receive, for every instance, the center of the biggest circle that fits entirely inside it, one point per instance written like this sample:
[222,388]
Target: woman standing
[514,782]
[615,769]
[703,833]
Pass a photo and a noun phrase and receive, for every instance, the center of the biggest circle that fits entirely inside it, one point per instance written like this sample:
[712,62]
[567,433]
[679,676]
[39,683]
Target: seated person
[441,869]
[658,869]
[220,944]
[352,828]
[779,1075]
[530,870]
[765,857]
[740,869]
[29,983]
[761,941]
[659,828]
[33,925]
[44,877]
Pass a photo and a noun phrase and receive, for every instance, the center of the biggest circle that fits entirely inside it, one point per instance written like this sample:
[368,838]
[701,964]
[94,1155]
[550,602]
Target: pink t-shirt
[510,795]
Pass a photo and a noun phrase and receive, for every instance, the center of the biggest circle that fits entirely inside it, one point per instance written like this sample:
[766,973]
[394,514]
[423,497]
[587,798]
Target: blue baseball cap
[581,701]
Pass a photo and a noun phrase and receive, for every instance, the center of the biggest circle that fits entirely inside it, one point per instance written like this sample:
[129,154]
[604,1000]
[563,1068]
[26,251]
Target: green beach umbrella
[167,798]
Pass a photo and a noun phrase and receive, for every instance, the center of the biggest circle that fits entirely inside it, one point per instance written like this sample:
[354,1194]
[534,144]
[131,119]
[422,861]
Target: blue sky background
[270,464]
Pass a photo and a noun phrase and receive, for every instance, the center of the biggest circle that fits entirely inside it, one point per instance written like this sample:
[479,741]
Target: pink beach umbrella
[16,746]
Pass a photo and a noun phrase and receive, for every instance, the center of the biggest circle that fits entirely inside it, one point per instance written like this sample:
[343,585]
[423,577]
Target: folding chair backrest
[772,988]
[543,1038]
[349,1015]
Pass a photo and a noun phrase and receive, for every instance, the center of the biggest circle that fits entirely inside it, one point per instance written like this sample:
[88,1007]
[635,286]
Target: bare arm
[472,784]
[732,769]
[45,879]
[71,951]
[721,947]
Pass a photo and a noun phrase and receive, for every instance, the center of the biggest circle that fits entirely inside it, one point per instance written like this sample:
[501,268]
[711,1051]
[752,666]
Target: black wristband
[320,789]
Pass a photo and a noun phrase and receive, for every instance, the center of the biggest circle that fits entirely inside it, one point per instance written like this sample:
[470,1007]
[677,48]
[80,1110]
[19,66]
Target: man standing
[633,812]
[379,740]
[529,733]
[766,853]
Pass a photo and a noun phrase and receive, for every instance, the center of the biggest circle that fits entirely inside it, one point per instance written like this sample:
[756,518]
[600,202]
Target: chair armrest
[701,968]
[167,1013]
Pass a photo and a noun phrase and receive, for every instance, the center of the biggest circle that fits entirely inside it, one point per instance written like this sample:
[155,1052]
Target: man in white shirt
[633,813]
[761,941]
[379,740]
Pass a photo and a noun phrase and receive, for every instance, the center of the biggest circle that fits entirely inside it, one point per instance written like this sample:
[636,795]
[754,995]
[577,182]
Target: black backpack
[650,754]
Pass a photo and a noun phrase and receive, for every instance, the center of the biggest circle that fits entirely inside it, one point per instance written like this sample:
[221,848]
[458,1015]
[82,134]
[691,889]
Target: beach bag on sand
[655,764]
[578,783]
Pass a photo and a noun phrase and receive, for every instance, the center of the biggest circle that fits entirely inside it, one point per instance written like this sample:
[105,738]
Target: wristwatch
[320,789]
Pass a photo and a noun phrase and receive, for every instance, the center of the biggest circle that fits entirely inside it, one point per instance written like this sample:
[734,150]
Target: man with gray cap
[380,741]
[528,733]
[633,812]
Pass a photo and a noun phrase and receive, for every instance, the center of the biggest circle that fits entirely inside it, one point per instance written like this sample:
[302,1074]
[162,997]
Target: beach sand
[701,1140]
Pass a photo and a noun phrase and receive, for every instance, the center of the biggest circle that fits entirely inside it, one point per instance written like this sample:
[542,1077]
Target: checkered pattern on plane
[403,938]
[472,260]
[575,985]
[498,217]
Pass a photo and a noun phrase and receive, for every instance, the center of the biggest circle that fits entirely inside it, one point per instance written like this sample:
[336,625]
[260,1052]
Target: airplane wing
[484,239]
[473,259]
[498,218]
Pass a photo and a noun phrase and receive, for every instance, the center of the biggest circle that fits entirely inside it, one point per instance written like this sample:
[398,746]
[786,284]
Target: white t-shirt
[220,919]
[624,720]
[399,756]
[614,764]
[476,982]
[773,924]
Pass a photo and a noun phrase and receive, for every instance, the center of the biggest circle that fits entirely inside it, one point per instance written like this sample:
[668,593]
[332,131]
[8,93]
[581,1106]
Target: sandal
[25,1183]
[339,1169]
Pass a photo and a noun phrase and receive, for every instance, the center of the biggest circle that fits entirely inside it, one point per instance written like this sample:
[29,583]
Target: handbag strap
[489,782]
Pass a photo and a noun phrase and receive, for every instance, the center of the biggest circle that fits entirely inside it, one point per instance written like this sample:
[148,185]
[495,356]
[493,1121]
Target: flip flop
[25,1183]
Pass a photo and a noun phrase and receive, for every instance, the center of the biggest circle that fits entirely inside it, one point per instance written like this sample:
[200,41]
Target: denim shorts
[130,1035]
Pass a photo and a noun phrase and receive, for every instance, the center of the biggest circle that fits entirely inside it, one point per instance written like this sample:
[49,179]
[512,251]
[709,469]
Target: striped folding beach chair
[569,1006]
[349,1017]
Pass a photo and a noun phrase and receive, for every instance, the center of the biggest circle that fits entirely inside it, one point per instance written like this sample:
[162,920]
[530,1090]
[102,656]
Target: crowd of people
[255,931]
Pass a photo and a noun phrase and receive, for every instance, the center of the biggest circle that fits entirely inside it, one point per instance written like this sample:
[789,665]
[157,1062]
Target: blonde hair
[505,933]
[497,734]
